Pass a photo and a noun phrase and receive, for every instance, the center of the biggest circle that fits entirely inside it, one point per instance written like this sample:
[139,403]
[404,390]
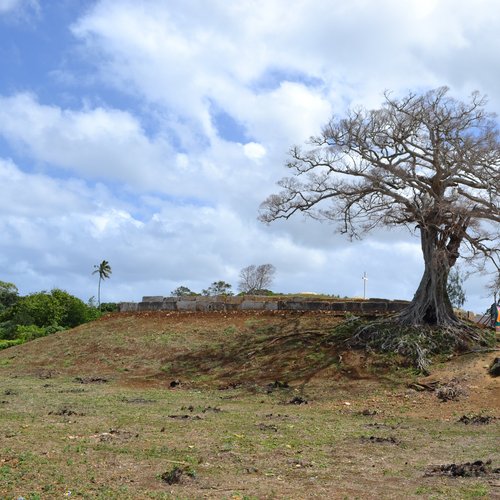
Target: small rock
[297,400]
[494,369]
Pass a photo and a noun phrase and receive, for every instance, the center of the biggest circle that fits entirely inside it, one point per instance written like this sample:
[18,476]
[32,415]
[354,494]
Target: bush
[9,343]
[74,311]
[42,313]
[8,295]
[30,332]
[40,309]
[108,307]
[7,330]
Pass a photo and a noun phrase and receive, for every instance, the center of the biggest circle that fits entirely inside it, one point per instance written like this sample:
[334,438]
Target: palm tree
[104,271]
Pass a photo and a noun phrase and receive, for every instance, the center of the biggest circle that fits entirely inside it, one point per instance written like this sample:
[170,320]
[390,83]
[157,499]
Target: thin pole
[365,279]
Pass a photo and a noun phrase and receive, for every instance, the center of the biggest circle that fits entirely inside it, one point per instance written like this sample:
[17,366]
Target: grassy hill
[238,405]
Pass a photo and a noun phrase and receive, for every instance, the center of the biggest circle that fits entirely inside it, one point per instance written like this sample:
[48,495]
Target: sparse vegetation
[263,406]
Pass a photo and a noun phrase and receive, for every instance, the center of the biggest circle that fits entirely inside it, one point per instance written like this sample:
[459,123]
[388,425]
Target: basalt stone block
[291,305]
[127,306]
[396,306]
[338,306]
[373,307]
[186,304]
[316,305]
[252,305]
[217,306]
[153,298]
[150,306]
[352,307]
[169,305]
[271,306]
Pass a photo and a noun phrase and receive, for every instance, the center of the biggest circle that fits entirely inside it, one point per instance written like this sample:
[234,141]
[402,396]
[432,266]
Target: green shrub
[9,343]
[74,311]
[7,330]
[108,307]
[8,295]
[30,332]
[40,309]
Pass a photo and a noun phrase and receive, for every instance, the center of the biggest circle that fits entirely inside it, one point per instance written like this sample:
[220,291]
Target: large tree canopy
[427,162]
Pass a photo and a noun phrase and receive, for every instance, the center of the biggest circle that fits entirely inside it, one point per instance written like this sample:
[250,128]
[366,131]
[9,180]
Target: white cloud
[278,69]
[254,151]
[98,142]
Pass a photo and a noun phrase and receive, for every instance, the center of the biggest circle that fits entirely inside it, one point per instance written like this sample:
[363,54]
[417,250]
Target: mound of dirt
[279,353]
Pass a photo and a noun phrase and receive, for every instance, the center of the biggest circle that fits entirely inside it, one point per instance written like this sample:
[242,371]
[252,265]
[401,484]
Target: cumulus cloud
[158,187]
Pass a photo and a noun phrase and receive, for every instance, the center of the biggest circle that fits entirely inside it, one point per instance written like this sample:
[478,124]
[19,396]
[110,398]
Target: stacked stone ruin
[259,303]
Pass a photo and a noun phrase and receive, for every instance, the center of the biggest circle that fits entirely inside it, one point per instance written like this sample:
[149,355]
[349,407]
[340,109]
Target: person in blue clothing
[495,316]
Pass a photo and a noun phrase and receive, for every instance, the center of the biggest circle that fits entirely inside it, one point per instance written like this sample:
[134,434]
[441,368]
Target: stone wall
[259,303]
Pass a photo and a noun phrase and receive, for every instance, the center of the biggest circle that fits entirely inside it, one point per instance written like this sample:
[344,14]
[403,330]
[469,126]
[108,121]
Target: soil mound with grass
[240,405]
[225,350]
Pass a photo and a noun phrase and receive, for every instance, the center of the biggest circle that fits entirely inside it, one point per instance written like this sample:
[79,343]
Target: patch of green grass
[230,330]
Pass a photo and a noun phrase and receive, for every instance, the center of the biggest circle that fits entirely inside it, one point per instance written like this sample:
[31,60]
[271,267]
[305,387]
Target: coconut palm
[104,271]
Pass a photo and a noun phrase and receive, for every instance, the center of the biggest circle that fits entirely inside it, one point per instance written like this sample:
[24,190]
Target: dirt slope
[217,349]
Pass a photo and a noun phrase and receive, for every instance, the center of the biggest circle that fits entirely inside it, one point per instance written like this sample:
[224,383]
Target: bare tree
[255,278]
[427,162]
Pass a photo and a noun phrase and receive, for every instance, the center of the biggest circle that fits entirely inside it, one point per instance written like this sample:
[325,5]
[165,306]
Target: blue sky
[148,133]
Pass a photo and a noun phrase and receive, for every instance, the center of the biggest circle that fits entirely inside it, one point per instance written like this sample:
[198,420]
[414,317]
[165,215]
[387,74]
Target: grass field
[236,406]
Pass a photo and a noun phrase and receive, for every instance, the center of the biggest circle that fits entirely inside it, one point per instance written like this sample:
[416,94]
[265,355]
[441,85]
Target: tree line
[253,280]
[24,318]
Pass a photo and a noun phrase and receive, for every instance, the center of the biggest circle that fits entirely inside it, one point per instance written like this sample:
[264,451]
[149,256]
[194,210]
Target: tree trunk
[431,305]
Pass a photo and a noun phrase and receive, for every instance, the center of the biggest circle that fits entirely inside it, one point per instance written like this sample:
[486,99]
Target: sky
[148,133]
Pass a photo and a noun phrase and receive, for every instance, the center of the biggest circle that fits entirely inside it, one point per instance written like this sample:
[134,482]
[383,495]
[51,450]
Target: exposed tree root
[417,343]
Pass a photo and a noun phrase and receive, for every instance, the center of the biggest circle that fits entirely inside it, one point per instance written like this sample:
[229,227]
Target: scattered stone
[185,417]
[65,412]
[381,426]
[175,383]
[72,391]
[494,369]
[115,434]
[277,415]
[213,409]
[231,385]
[266,427]
[299,463]
[276,385]
[429,386]
[191,408]
[176,475]
[450,392]
[91,380]
[138,401]
[368,413]
[298,400]
[10,392]
[476,419]
[467,469]
[377,439]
